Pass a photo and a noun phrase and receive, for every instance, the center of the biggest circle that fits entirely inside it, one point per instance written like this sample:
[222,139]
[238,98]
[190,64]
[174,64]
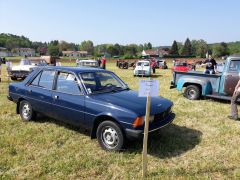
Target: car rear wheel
[192,92]
[26,111]
[110,136]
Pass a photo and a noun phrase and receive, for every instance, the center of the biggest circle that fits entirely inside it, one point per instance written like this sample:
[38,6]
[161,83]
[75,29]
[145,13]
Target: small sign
[148,88]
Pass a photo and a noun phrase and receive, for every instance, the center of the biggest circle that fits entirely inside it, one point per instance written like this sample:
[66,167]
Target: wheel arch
[98,120]
[195,84]
[18,104]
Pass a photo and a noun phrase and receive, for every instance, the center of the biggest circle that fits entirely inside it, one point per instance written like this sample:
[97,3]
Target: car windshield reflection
[102,82]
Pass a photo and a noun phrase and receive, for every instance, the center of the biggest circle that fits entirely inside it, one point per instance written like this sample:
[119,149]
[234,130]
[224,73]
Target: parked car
[162,64]
[88,63]
[220,86]
[25,66]
[95,99]
[181,66]
[142,68]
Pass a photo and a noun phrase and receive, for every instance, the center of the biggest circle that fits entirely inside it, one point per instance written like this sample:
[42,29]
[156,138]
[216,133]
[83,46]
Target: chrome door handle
[29,90]
[56,97]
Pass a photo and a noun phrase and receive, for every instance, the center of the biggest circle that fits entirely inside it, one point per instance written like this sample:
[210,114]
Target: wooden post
[145,139]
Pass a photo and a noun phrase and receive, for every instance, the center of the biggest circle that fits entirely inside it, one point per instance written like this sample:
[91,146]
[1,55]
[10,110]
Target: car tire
[26,111]
[110,136]
[192,92]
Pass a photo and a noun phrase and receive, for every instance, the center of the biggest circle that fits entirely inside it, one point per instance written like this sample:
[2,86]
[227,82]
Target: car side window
[46,79]
[36,80]
[234,66]
[67,83]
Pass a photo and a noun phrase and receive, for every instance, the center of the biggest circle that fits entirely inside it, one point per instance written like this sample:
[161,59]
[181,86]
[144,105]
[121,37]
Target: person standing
[103,62]
[236,95]
[210,64]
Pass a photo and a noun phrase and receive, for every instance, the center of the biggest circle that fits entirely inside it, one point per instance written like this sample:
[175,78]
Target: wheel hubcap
[110,137]
[191,93]
[26,111]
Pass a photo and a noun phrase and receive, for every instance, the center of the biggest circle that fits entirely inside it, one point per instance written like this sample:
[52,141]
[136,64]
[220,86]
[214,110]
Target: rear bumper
[18,74]
[137,134]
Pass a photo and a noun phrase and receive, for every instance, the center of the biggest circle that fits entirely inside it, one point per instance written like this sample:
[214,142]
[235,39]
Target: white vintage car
[142,68]
[24,68]
[88,63]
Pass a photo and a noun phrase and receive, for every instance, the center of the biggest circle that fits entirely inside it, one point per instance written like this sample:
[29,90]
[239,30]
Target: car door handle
[56,97]
[30,91]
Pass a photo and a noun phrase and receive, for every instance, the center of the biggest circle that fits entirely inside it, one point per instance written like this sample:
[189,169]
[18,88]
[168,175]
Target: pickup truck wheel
[110,136]
[26,111]
[192,92]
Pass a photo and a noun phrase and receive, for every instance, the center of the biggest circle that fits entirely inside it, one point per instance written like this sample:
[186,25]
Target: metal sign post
[148,88]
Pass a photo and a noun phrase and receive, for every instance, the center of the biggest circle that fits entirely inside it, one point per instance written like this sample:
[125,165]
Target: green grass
[201,143]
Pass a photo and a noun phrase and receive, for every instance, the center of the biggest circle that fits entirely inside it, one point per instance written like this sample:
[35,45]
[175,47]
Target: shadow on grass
[170,141]
[156,75]
[44,119]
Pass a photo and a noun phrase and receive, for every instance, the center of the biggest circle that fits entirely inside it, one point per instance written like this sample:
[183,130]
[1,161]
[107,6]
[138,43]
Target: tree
[199,48]
[220,49]
[53,50]
[174,48]
[149,45]
[87,46]
[187,48]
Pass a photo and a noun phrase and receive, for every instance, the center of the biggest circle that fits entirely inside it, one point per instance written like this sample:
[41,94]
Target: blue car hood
[129,100]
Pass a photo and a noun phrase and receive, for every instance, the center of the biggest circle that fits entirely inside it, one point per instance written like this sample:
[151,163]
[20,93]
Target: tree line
[188,48]
[200,48]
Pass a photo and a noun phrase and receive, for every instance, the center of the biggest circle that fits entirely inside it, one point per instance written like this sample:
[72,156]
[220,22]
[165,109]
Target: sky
[123,21]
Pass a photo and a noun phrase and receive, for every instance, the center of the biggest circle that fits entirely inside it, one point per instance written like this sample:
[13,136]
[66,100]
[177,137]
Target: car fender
[203,83]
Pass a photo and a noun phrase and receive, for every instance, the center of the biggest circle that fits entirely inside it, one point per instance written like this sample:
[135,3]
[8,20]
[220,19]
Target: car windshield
[101,82]
[143,64]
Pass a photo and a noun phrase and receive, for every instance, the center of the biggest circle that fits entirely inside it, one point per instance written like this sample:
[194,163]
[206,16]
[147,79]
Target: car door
[68,99]
[231,77]
[39,92]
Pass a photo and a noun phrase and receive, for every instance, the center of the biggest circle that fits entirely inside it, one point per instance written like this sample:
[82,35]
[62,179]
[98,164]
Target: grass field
[201,143]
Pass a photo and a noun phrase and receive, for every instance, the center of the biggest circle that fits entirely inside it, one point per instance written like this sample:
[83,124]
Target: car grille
[141,72]
[161,116]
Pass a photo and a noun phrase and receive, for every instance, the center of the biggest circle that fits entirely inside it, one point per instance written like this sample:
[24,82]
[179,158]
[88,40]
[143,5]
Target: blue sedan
[95,99]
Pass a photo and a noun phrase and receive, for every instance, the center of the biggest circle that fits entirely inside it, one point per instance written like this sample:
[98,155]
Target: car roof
[77,69]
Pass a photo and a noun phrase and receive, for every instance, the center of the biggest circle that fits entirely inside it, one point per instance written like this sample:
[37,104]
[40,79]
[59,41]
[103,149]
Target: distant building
[75,53]
[24,52]
[155,52]
[4,52]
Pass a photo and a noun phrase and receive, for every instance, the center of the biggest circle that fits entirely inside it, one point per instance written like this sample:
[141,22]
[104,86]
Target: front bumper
[136,134]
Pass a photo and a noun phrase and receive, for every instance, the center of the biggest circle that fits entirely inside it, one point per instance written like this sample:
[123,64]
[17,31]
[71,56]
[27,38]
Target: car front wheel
[26,111]
[110,136]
